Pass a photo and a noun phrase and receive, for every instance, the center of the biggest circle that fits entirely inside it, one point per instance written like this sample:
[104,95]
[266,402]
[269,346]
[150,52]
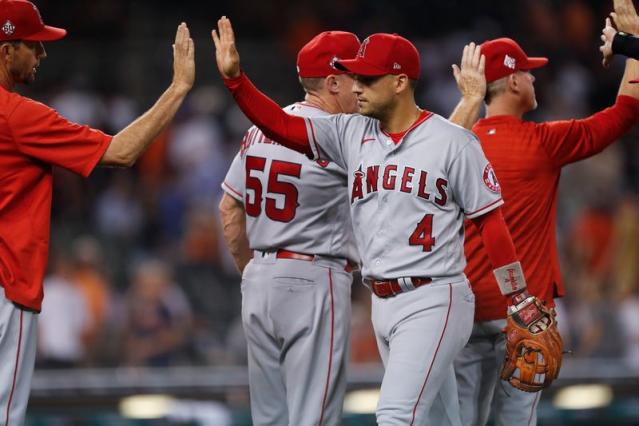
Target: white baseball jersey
[408,200]
[312,217]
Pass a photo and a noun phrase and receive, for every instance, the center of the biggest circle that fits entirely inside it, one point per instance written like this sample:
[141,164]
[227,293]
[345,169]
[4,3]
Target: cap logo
[8,28]
[510,62]
[332,62]
[362,48]
[397,66]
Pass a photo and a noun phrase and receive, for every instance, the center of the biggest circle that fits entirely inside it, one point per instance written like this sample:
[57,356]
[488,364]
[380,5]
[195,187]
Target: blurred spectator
[119,214]
[94,285]
[158,318]
[64,320]
[214,294]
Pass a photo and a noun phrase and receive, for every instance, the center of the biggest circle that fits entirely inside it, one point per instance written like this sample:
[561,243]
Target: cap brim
[47,34]
[359,67]
[533,63]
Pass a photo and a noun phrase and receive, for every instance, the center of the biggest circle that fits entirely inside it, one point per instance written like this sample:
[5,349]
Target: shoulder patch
[490,179]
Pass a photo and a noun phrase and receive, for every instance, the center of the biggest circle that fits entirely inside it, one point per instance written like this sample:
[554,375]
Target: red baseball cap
[382,54]
[21,20]
[317,57]
[504,56]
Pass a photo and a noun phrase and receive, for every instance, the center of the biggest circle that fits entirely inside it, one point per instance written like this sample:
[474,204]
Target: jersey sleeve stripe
[314,147]
[485,209]
[232,192]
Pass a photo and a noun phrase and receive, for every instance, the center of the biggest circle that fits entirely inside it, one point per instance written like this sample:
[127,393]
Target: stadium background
[141,295]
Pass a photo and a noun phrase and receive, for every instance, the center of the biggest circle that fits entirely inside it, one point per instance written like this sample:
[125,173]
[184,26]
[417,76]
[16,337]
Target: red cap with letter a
[504,57]
[21,20]
[382,54]
[317,58]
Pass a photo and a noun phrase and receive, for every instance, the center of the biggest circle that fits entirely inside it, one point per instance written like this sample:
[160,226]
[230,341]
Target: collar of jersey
[397,138]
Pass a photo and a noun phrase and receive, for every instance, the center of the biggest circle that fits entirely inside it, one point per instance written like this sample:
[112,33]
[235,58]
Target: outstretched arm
[132,141]
[471,82]
[286,129]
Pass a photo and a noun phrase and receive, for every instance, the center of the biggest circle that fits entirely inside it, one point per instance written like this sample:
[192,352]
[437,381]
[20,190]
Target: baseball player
[412,177]
[296,289]
[527,158]
[33,139]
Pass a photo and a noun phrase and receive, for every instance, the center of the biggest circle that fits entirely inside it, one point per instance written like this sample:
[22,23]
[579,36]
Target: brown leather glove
[533,346]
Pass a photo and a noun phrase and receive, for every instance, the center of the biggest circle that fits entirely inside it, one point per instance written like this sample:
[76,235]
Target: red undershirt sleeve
[286,129]
[496,238]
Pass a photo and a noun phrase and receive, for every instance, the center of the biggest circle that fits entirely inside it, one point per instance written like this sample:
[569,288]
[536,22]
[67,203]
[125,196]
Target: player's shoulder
[450,132]
[305,109]
[16,105]
[10,101]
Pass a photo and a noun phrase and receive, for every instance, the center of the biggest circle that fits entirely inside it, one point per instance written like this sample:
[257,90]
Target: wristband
[625,44]
[510,278]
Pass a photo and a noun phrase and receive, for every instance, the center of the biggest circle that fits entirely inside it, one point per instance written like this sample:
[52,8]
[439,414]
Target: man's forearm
[234,230]
[132,141]
[466,113]
[631,72]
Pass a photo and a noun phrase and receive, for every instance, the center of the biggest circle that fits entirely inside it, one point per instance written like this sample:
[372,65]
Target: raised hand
[625,16]
[607,36]
[183,59]
[226,54]
[470,78]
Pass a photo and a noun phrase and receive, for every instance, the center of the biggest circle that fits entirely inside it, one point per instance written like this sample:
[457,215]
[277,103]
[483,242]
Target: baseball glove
[533,346]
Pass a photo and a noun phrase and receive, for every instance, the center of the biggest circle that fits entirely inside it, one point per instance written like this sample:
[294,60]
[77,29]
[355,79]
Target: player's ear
[514,83]
[402,83]
[331,83]
[6,50]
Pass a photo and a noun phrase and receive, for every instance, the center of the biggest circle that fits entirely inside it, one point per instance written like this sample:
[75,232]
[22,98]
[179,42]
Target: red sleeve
[573,140]
[496,238]
[288,130]
[40,132]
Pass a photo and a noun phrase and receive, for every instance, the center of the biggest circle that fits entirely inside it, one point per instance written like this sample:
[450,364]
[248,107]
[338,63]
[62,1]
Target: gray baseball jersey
[408,200]
[296,313]
[280,212]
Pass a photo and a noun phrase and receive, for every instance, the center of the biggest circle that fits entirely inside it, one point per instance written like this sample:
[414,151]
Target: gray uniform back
[408,200]
[310,218]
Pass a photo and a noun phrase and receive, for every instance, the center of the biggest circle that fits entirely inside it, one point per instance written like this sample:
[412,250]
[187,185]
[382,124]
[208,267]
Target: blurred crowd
[139,274]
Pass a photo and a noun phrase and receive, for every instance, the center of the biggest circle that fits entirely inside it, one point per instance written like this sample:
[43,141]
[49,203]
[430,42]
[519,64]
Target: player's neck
[5,78]
[320,102]
[401,117]
[505,106]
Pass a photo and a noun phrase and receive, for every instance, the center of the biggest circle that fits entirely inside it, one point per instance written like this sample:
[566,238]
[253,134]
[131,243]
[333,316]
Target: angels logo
[357,191]
[323,163]
[362,48]
[490,179]
[8,28]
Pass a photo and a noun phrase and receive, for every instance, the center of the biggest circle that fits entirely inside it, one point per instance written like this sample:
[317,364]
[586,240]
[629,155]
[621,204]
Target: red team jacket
[527,158]
[33,139]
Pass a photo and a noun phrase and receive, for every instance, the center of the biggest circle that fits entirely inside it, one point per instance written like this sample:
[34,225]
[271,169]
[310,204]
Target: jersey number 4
[423,234]
[274,186]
